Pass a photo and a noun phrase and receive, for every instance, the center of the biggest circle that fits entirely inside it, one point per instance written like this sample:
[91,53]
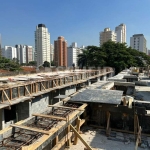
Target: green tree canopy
[9,65]
[116,55]
[46,64]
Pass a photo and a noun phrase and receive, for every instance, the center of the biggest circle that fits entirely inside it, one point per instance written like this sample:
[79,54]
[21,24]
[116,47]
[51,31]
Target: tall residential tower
[60,52]
[42,44]
[107,35]
[121,33]
[138,42]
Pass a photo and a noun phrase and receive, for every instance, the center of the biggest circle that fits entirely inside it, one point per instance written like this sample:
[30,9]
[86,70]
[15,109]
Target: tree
[46,64]
[9,65]
[116,55]
[52,63]
[32,63]
[82,59]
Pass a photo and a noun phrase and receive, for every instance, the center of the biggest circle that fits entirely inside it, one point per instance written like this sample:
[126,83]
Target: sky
[77,20]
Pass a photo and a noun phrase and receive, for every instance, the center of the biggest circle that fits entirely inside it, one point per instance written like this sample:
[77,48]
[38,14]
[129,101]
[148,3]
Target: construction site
[89,109]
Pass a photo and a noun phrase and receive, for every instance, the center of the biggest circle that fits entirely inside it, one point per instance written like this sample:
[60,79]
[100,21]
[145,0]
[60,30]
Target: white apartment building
[52,52]
[42,44]
[138,42]
[21,53]
[9,52]
[121,33]
[107,35]
[73,52]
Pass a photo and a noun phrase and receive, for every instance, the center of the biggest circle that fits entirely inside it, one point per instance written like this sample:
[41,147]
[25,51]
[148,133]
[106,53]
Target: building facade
[42,44]
[121,33]
[138,42]
[9,52]
[52,52]
[72,54]
[107,35]
[29,54]
[21,53]
[60,52]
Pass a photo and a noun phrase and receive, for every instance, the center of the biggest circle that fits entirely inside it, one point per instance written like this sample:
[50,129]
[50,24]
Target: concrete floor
[97,139]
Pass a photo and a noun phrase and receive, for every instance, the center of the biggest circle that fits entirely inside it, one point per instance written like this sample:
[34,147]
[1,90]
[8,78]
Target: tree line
[116,55]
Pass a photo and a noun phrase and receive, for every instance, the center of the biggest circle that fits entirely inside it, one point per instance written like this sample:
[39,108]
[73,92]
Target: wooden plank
[78,130]
[7,97]
[30,129]
[66,107]
[123,109]
[27,90]
[43,86]
[52,131]
[108,124]
[82,140]
[62,142]
[138,141]
[68,138]
[49,116]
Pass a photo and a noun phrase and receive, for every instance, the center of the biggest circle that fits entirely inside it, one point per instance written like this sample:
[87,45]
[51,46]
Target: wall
[23,110]
[39,104]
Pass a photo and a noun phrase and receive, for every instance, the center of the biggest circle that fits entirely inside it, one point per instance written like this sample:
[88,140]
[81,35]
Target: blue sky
[77,20]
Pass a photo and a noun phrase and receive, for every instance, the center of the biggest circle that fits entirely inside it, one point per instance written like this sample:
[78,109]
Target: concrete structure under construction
[52,107]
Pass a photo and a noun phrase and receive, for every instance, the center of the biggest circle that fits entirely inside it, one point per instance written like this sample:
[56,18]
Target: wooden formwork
[30,89]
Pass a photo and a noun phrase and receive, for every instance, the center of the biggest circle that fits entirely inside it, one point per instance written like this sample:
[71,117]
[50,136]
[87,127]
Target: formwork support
[78,130]
[82,140]
[108,124]
[138,141]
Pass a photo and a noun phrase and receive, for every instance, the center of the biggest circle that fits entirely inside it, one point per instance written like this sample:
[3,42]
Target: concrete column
[68,90]
[98,79]
[89,82]
[104,77]
[2,121]
[22,110]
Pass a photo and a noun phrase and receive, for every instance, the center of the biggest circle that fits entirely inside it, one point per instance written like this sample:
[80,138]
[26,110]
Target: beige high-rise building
[107,35]
[60,52]
[121,33]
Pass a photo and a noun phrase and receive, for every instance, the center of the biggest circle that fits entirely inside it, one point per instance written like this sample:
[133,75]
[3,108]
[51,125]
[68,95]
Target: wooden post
[135,125]
[68,139]
[108,124]
[11,94]
[138,141]
[78,130]
[79,136]
[56,140]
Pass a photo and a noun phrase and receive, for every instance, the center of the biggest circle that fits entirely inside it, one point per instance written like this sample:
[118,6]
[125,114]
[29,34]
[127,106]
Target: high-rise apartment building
[107,35]
[42,44]
[29,54]
[52,52]
[24,53]
[60,52]
[21,53]
[9,52]
[138,42]
[121,33]
[0,46]
[72,54]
